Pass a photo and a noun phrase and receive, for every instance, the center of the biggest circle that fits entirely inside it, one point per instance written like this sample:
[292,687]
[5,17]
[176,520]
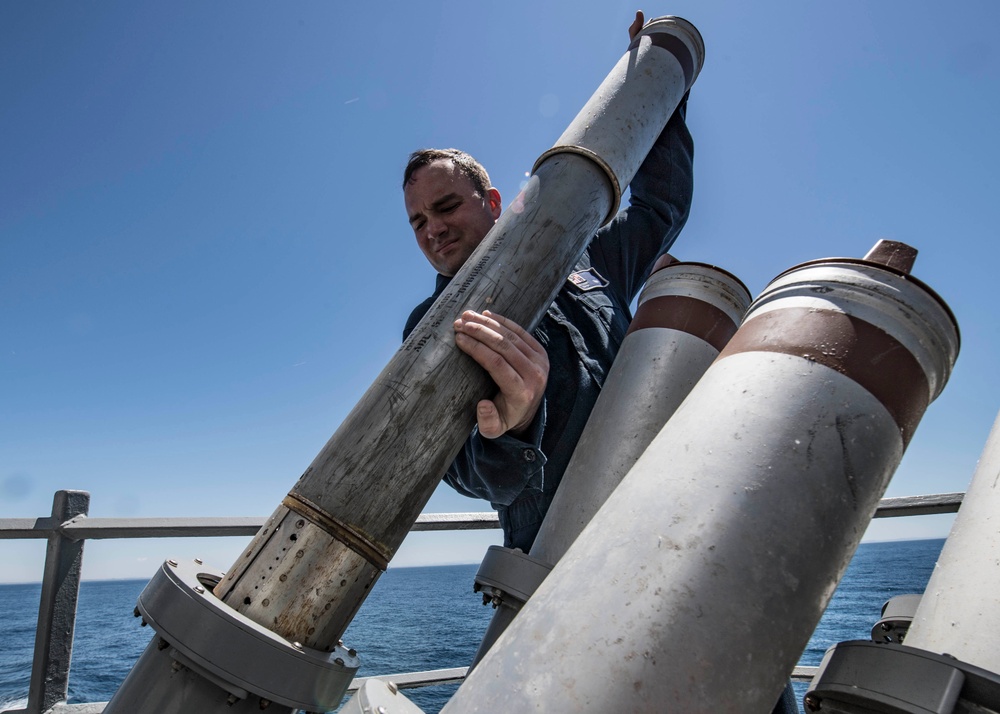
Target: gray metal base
[209,656]
[858,677]
[380,697]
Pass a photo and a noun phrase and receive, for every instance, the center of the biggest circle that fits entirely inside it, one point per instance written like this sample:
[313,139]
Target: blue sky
[204,259]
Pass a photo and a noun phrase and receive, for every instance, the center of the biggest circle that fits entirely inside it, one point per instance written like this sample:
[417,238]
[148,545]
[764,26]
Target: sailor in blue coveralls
[548,380]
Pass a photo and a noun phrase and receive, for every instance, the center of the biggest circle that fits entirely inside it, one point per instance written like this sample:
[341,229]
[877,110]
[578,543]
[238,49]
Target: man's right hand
[515,360]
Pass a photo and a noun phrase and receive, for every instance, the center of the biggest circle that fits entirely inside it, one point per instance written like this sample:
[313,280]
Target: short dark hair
[465,163]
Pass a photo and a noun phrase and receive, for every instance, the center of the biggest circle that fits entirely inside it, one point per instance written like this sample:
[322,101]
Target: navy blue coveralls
[581,332]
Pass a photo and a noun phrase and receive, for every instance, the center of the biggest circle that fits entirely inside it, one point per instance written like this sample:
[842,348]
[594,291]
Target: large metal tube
[661,64]
[308,570]
[700,580]
[962,599]
[685,315]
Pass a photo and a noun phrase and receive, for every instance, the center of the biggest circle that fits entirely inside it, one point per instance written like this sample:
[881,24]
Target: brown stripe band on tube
[857,349]
[340,531]
[676,47]
[686,314]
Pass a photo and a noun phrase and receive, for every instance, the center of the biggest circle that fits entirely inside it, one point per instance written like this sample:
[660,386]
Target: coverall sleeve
[499,470]
[625,249]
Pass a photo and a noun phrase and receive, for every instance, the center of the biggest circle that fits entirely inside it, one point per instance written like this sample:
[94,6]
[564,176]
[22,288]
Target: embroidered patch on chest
[588,279]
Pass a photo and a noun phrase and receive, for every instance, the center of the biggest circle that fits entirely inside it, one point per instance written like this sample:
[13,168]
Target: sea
[415,619]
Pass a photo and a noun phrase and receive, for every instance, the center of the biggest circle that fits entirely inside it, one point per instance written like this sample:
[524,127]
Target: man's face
[448,216]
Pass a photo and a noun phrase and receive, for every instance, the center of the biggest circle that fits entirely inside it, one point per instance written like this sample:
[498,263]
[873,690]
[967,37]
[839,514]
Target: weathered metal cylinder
[685,315]
[700,580]
[309,569]
[962,599]
[662,63]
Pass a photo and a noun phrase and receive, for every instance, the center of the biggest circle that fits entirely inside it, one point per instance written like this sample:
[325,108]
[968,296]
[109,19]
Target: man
[526,435]
[547,381]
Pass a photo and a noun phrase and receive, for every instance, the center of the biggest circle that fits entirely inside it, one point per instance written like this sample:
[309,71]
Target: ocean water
[415,619]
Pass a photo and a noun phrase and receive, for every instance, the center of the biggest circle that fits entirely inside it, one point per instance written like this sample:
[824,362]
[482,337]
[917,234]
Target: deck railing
[69,526]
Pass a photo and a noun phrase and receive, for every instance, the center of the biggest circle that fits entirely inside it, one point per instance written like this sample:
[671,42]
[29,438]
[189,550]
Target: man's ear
[496,204]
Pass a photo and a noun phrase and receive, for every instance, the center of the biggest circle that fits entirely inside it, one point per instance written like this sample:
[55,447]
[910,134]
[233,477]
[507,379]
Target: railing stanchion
[57,607]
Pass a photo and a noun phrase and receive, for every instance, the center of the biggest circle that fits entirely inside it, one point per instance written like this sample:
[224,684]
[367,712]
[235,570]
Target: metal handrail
[69,526]
[86,528]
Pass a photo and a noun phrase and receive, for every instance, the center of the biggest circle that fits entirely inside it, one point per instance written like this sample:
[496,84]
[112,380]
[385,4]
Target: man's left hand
[515,360]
